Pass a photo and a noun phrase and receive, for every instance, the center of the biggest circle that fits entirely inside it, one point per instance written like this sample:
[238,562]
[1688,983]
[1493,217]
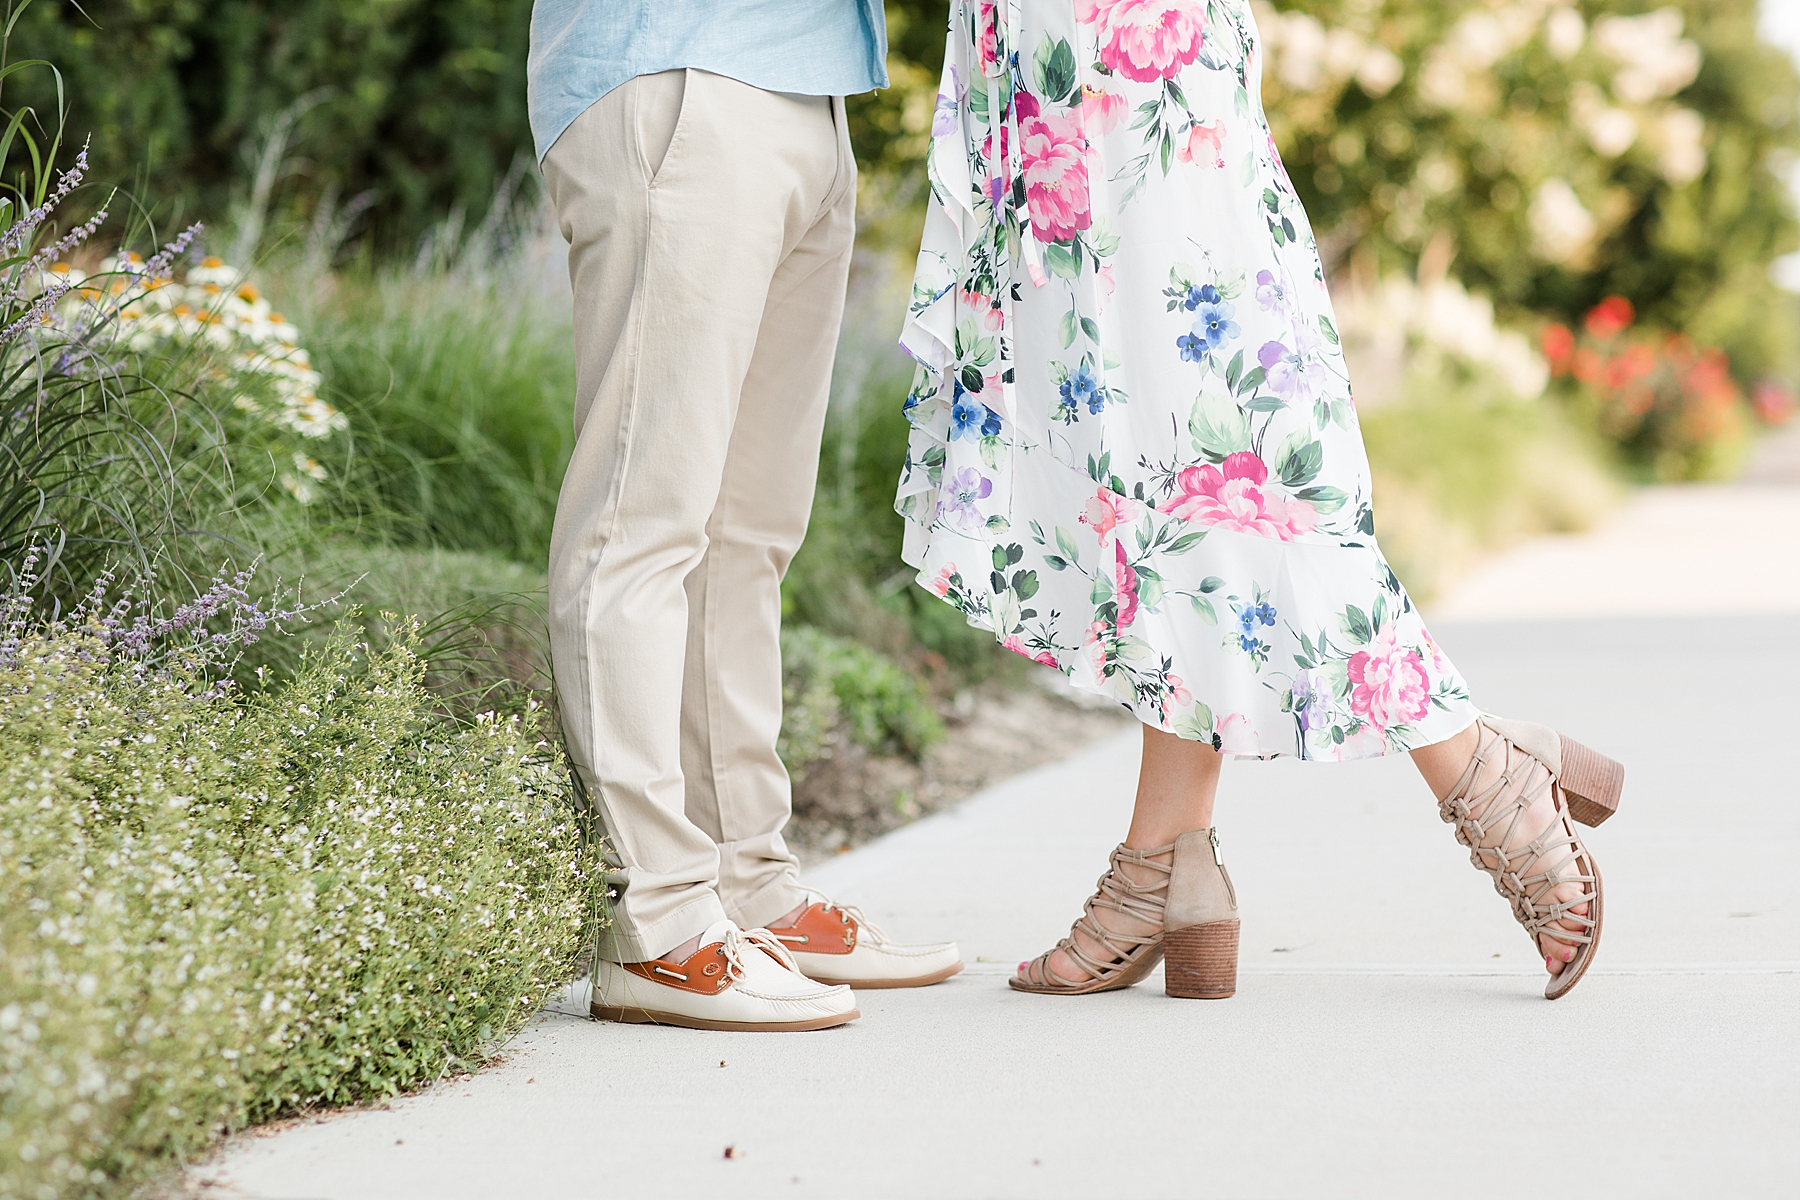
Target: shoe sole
[867,984]
[644,1016]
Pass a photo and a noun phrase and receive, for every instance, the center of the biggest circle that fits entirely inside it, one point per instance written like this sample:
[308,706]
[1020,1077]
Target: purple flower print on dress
[1312,703]
[1270,295]
[960,493]
[1286,373]
[944,120]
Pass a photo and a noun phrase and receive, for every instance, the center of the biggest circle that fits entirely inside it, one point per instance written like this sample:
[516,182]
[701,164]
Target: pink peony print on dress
[1238,498]
[1017,646]
[1238,736]
[1388,682]
[1106,510]
[1125,580]
[1101,111]
[1052,151]
[1145,40]
[1205,144]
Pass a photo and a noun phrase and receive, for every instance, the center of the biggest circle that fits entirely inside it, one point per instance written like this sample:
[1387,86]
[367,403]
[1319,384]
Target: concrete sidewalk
[1388,1038]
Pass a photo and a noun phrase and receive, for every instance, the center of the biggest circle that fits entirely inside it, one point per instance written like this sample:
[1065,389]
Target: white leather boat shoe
[835,943]
[739,980]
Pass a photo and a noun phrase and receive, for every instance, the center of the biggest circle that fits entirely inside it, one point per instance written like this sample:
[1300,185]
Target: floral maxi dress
[1134,454]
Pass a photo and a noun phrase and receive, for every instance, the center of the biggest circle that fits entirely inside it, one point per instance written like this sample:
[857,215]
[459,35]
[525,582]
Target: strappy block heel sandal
[1191,898]
[1584,786]
[1132,956]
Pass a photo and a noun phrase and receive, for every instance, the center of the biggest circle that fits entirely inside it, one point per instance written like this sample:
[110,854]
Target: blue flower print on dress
[970,418]
[1213,326]
[1251,617]
[1212,319]
[1082,388]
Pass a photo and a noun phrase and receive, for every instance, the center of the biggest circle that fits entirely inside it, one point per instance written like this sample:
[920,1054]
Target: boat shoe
[835,943]
[741,980]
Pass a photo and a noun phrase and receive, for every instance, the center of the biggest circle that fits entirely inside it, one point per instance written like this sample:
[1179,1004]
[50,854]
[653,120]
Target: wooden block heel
[1591,783]
[1200,962]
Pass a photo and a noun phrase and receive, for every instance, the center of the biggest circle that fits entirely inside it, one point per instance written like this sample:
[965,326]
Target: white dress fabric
[1134,454]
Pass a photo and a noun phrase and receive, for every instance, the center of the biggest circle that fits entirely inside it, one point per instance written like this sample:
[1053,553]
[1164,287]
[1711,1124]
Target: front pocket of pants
[661,104]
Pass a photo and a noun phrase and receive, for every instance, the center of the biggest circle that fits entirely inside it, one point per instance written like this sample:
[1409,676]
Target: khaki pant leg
[680,195]
[737,788]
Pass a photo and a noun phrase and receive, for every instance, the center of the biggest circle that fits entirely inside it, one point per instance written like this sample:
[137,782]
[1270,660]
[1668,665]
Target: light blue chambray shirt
[583,49]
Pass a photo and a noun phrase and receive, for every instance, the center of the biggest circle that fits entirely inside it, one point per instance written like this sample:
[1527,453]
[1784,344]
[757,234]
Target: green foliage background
[421,100]
[422,104]
[1692,256]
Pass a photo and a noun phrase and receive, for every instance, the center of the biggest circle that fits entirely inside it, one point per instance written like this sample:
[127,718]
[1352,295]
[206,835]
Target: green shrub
[215,909]
[1462,468]
[832,685]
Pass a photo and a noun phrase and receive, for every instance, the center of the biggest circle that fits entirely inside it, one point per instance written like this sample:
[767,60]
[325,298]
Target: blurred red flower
[1773,400]
[1558,342]
[1611,317]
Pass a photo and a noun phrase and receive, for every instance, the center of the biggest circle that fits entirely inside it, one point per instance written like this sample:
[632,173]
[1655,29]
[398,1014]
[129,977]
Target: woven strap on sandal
[1525,870]
[1116,893]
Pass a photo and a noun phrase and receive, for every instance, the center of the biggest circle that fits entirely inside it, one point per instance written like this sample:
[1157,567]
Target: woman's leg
[1177,782]
[1443,765]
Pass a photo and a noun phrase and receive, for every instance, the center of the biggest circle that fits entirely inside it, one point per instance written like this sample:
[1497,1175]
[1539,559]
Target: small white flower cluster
[1620,93]
[1306,56]
[1651,62]
[217,309]
[1455,72]
[1400,321]
[1562,229]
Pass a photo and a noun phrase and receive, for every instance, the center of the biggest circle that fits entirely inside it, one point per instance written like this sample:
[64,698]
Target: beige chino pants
[710,226]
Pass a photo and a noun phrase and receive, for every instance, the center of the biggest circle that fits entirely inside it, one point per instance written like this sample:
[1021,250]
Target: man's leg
[737,788]
[681,196]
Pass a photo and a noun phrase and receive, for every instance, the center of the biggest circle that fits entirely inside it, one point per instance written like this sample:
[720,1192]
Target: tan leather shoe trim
[820,930]
[643,1016]
[912,981]
[704,972]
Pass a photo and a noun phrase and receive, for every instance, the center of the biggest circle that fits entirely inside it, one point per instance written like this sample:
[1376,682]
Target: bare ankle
[787,919]
[684,951]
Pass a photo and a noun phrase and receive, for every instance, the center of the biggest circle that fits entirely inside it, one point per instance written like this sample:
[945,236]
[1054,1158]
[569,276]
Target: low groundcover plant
[216,907]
